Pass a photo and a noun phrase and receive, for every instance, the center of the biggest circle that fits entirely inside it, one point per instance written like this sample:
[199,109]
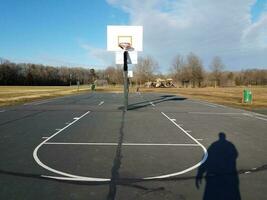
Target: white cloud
[102,56]
[255,36]
[206,27]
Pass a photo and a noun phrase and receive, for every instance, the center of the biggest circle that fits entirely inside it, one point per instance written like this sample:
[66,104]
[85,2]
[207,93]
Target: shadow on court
[220,171]
[146,103]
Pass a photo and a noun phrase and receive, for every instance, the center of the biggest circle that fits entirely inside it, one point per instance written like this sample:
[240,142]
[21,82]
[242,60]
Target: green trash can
[247,96]
[93,87]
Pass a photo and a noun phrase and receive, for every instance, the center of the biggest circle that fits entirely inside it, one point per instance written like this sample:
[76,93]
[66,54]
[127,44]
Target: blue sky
[73,32]
[257,9]
[49,31]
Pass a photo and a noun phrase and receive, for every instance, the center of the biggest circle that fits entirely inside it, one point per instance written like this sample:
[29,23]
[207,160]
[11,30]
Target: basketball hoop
[126,46]
[126,41]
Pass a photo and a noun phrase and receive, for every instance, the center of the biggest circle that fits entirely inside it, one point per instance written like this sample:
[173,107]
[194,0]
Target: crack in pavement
[115,176]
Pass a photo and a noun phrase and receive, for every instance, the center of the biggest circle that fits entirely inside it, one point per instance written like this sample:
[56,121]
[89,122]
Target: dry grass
[231,96]
[110,88]
[12,95]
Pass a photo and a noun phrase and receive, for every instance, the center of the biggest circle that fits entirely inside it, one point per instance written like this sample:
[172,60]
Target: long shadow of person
[222,182]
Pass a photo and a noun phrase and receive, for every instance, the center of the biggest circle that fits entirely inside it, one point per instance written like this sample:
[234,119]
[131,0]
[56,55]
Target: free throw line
[116,144]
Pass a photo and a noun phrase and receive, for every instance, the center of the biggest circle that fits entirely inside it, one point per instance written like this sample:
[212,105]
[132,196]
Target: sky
[73,32]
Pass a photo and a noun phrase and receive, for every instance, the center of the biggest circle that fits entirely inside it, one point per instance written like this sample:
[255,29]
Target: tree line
[189,71]
[186,71]
[36,74]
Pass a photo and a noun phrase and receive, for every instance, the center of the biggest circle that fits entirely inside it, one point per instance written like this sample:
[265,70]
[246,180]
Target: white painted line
[248,114]
[182,129]
[39,102]
[220,105]
[190,168]
[261,115]
[210,105]
[34,103]
[206,104]
[39,162]
[213,104]
[199,139]
[152,104]
[82,178]
[1,111]
[216,113]
[76,118]
[216,105]
[68,122]
[43,102]
[115,144]
[102,102]
[173,120]
[82,143]
[264,119]
[255,116]
[49,100]
[86,179]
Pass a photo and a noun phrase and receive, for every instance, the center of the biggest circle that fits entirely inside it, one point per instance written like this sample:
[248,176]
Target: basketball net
[126,46]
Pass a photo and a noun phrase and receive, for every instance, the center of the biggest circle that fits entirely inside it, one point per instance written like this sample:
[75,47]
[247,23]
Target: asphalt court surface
[87,147]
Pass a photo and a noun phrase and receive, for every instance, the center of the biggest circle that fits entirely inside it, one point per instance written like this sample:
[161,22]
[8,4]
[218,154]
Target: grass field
[12,95]
[231,96]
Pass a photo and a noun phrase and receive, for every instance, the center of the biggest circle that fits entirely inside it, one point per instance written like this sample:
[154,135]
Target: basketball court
[87,146]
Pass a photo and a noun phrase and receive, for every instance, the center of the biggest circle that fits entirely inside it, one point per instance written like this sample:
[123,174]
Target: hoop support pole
[125,76]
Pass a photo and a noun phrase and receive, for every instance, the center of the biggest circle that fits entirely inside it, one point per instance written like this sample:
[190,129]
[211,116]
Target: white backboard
[132,57]
[130,74]
[128,34]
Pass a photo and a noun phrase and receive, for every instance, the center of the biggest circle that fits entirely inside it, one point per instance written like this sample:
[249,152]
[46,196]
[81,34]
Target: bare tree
[110,74]
[190,72]
[114,75]
[36,74]
[194,65]
[2,61]
[216,67]
[145,69]
[119,74]
[177,68]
